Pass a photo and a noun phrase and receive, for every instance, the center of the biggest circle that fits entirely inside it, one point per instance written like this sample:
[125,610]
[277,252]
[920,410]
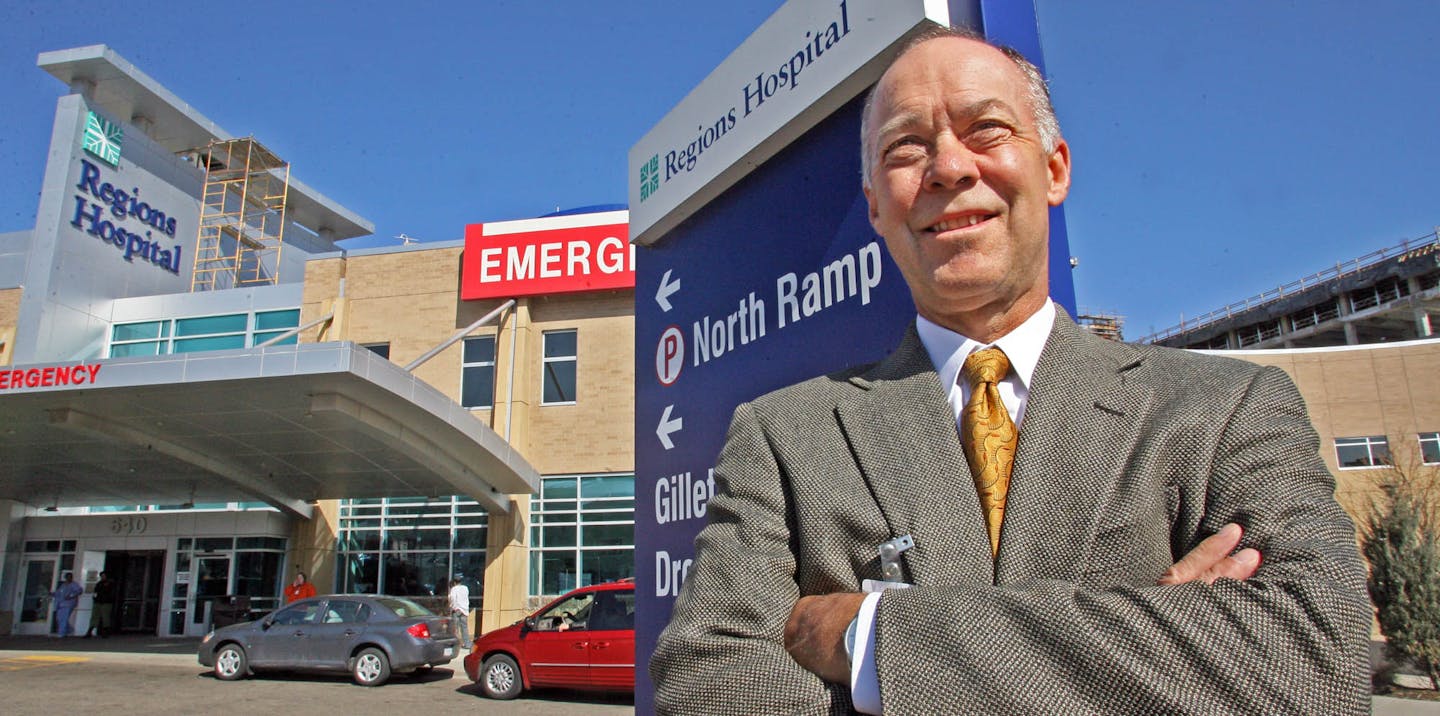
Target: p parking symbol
[670,355]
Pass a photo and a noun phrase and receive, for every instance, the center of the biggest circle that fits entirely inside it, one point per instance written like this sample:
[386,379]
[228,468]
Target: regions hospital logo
[650,177]
[102,139]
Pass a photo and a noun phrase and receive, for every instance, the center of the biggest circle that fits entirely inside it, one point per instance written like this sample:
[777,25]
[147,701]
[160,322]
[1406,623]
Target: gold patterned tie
[989,436]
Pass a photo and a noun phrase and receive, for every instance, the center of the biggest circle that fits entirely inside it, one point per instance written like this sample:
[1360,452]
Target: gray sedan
[367,635]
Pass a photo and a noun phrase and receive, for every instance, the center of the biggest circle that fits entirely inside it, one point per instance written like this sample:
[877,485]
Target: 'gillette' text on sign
[785,76]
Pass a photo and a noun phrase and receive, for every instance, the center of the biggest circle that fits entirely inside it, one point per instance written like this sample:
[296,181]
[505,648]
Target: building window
[559,368]
[1373,451]
[269,324]
[1313,315]
[1217,343]
[379,349]
[1430,448]
[412,547]
[582,532]
[1263,331]
[196,507]
[203,565]
[477,374]
[1381,292]
[201,333]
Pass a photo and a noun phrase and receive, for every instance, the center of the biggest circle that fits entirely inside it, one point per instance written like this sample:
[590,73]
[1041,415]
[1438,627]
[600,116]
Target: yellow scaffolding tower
[242,216]
[1106,325]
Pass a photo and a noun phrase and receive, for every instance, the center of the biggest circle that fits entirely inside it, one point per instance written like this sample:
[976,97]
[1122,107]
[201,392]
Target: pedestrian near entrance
[301,588]
[67,597]
[460,609]
[102,613]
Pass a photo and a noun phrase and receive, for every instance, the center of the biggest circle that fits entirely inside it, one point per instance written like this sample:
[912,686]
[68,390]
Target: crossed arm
[815,631]
[1214,636]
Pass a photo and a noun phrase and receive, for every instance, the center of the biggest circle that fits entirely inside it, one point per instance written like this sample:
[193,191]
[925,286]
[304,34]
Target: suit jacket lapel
[1080,424]
[902,432]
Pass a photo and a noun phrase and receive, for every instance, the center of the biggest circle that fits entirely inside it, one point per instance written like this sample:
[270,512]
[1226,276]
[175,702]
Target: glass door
[210,582]
[36,606]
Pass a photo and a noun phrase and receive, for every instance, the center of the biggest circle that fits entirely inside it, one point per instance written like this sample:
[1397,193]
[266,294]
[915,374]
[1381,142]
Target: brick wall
[1359,391]
[411,300]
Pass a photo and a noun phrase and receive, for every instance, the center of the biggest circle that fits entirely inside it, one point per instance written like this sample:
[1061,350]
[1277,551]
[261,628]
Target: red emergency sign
[530,263]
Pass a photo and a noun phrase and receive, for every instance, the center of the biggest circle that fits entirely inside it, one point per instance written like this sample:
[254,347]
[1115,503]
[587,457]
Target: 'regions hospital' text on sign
[541,261]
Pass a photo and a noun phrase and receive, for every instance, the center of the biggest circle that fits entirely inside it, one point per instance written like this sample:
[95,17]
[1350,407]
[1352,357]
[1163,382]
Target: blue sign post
[775,278]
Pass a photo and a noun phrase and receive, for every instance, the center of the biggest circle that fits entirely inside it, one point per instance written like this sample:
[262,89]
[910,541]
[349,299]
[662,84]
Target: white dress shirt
[460,598]
[948,351]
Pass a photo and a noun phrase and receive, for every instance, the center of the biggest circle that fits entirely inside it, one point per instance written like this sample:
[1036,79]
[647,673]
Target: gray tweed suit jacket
[1128,456]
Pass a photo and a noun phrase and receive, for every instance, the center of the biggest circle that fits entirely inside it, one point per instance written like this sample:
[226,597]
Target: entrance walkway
[121,643]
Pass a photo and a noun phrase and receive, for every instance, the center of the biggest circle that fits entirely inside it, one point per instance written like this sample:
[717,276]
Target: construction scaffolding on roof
[1109,326]
[242,216]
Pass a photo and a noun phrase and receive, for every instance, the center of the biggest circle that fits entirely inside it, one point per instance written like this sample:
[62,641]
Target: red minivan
[583,640]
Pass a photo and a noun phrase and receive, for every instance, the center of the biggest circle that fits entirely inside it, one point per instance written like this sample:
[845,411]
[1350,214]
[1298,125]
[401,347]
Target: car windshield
[569,613]
[404,607]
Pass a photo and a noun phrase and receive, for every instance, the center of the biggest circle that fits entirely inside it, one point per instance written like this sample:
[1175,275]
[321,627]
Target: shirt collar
[948,349]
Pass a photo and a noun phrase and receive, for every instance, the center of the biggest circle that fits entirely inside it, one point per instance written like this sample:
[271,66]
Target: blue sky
[1221,148]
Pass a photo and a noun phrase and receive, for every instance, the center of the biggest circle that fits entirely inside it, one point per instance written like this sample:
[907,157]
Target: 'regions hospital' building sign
[121,219]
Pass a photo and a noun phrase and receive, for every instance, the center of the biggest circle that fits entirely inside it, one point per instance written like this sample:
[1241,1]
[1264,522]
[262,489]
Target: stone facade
[1384,389]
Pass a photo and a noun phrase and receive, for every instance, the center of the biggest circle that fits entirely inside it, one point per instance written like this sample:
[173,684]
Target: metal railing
[1339,270]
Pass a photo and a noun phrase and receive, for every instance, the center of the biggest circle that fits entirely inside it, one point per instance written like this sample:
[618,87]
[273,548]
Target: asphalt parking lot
[161,676]
[151,675]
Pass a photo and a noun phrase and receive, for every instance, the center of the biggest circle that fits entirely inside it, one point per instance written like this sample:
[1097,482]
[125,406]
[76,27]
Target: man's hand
[815,633]
[1211,560]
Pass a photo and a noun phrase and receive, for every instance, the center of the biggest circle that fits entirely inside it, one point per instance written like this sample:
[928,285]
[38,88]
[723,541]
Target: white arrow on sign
[668,426]
[666,290]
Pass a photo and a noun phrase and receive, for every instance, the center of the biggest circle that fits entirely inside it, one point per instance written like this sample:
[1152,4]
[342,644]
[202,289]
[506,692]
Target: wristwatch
[850,642]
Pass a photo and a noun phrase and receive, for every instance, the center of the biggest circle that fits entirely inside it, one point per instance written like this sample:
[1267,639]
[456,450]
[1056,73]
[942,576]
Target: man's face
[961,186]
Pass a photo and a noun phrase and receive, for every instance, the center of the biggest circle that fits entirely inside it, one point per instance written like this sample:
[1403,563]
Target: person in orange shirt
[301,588]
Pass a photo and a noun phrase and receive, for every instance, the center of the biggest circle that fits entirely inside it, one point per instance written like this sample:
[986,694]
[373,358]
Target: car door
[612,640]
[284,643]
[342,624]
[557,649]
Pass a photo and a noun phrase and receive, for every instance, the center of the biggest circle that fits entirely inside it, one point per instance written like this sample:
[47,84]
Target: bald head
[1036,91]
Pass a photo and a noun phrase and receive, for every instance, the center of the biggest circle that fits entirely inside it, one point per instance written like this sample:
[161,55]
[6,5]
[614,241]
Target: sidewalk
[138,645]
[1387,706]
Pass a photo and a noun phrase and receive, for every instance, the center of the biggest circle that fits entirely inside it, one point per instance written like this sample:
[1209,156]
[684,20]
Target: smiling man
[1066,510]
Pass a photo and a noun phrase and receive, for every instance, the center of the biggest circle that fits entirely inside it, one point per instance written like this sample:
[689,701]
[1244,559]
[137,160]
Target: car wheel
[230,663]
[500,677]
[372,668]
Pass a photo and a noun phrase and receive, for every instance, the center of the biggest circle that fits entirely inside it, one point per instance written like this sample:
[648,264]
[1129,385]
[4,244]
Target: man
[460,608]
[102,611]
[1044,566]
[67,597]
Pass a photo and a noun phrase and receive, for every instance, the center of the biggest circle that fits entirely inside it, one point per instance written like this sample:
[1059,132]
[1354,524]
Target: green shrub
[1401,544]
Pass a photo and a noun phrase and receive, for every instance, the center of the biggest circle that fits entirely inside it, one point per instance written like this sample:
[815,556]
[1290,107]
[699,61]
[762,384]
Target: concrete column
[12,546]
[1351,337]
[507,553]
[507,566]
[312,546]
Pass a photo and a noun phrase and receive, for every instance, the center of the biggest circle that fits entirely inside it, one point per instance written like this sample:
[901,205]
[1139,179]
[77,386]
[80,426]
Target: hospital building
[202,391]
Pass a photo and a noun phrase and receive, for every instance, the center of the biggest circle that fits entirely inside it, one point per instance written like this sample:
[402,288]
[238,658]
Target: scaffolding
[242,216]
[1106,325]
